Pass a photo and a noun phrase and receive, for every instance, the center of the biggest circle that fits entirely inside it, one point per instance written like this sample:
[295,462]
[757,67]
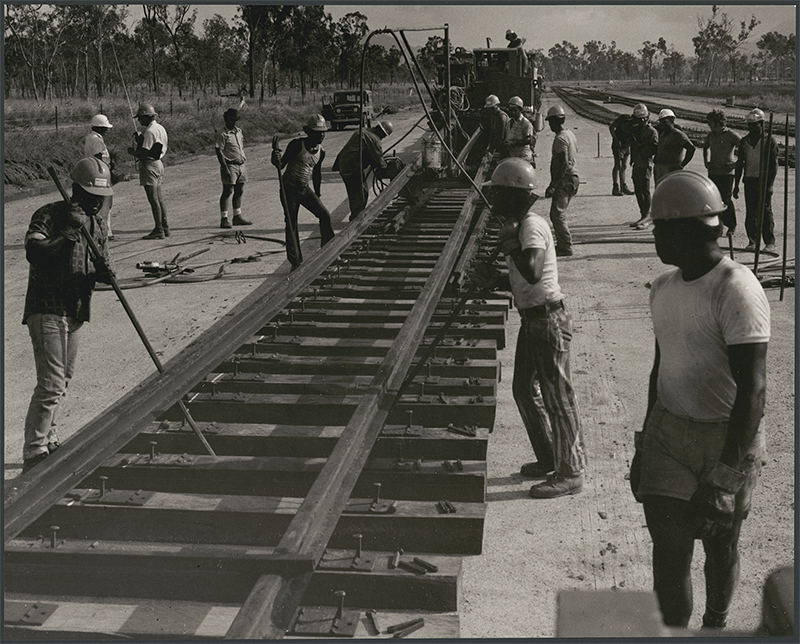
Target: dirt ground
[532,548]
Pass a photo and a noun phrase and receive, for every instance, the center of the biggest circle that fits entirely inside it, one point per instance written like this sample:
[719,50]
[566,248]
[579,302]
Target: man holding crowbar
[67,259]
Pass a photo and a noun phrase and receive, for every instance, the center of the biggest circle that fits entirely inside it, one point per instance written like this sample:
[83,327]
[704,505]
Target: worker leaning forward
[229,147]
[61,279]
[95,146]
[354,172]
[621,129]
[563,178]
[493,122]
[701,449]
[150,148]
[303,162]
[643,149]
[519,137]
[542,384]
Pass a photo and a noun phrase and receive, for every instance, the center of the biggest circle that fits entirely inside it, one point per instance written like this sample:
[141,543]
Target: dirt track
[532,549]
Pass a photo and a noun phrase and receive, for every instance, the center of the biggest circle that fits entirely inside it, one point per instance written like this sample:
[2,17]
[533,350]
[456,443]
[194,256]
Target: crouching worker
[61,278]
[354,171]
[542,383]
[700,452]
[303,162]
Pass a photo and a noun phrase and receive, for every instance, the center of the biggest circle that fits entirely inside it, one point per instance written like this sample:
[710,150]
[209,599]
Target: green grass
[32,142]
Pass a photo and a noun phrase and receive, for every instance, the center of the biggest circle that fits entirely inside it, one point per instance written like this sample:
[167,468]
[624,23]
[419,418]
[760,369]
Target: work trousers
[357,193]
[543,392]
[621,156]
[752,194]
[724,183]
[306,197]
[55,341]
[564,191]
[641,186]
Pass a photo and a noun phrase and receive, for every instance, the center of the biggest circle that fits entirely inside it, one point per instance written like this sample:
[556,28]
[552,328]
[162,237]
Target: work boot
[224,222]
[714,619]
[535,470]
[156,233]
[557,485]
[616,191]
[28,463]
[563,252]
[644,223]
[770,248]
[627,191]
[53,445]
[238,220]
[750,246]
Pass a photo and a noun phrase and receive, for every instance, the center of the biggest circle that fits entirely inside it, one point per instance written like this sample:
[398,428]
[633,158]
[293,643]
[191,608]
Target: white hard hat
[640,111]
[665,113]
[93,176]
[491,101]
[515,101]
[683,194]
[101,120]
[755,116]
[556,112]
[513,173]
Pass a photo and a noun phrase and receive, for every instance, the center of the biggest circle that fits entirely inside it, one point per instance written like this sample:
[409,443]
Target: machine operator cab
[505,73]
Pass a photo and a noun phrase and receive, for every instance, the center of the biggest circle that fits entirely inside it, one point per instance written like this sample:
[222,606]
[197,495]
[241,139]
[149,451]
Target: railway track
[587,103]
[348,477]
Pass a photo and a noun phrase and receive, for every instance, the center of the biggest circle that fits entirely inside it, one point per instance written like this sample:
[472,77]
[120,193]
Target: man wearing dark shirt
[61,279]
[351,168]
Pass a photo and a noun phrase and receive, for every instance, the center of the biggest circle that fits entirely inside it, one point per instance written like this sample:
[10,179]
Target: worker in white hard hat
[229,148]
[675,150]
[62,276]
[643,148]
[701,449]
[302,184]
[354,170]
[95,146]
[149,148]
[519,137]
[748,167]
[719,155]
[493,122]
[542,383]
[564,179]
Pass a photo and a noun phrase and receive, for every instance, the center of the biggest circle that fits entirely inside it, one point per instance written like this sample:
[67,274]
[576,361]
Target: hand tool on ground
[373,618]
[158,269]
[97,255]
[289,223]
[406,627]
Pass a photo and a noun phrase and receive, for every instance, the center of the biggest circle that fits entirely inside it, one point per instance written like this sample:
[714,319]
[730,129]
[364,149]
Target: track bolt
[53,535]
[377,487]
[410,412]
[153,450]
[340,608]
[103,480]
[358,538]
[236,367]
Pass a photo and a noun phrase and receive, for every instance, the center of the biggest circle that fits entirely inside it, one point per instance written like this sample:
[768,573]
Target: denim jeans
[55,347]
[543,392]
[564,191]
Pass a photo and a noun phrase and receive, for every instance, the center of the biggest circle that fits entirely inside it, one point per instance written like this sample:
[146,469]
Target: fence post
[56,118]
[598,145]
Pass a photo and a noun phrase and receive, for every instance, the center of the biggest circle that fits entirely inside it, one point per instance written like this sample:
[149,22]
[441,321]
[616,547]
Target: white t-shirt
[155,133]
[95,145]
[534,232]
[694,323]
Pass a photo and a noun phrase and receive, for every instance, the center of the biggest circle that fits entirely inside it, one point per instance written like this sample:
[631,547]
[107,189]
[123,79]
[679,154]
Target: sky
[546,25]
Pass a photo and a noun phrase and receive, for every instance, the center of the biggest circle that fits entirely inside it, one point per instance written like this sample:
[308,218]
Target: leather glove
[276,158]
[508,237]
[484,276]
[102,272]
[715,500]
[635,476]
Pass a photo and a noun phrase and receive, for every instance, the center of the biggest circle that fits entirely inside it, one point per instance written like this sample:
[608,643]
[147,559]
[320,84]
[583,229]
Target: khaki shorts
[151,173]
[678,452]
[238,174]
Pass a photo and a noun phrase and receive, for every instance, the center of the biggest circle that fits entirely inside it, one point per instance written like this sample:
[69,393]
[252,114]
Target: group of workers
[654,152]
[701,447]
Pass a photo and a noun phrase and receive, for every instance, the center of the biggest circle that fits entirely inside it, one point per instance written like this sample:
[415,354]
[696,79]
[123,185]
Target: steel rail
[32,493]
[268,611]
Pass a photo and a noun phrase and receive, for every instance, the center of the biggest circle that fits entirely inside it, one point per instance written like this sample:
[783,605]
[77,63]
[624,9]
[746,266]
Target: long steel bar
[33,493]
[268,610]
[785,207]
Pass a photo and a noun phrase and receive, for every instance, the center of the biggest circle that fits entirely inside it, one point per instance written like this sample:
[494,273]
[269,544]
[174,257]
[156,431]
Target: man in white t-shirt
[151,146]
[542,384]
[701,450]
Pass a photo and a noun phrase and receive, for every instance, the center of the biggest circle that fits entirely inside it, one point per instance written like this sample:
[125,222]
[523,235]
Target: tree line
[61,51]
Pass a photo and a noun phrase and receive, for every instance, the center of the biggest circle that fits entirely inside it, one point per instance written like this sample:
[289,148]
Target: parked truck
[345,108]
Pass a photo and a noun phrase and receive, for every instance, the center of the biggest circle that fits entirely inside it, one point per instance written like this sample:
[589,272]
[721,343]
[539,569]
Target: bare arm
[530,263]
[748,363]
